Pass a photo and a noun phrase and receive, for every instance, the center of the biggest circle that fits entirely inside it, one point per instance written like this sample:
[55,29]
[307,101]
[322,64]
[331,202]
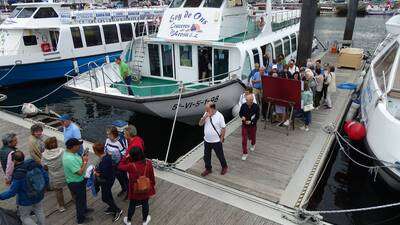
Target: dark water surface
[344,185]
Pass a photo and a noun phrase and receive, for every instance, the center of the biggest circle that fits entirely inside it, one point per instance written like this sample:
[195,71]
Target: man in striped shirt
[116,147]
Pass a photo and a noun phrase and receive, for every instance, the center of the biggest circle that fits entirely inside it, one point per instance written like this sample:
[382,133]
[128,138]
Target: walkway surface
[173,204]
[283,167]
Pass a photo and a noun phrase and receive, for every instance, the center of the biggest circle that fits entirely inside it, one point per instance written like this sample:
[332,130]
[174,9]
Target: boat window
[192,3]
[30,40]
[151,27]
[213,3]
[140,29]
[166,53]
[256,56]
[221,64]
[54,36]
[286,45]
[278,48]
[15,12]
[154,58]
[185,53]
[26,12]
[45,12]
[110,33]
[126,31]
[294,42]
[92,35]
[176,3]
[383,66]
[235,3]
[246,67]
[76,37]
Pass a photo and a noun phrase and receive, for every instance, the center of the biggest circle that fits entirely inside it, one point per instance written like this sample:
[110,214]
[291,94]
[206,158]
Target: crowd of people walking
[51,167]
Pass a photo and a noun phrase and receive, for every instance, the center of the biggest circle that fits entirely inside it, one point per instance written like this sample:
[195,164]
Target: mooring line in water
[31,102]
[5,75]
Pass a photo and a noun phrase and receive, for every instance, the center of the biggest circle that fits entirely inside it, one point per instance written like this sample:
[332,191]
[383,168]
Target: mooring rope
[11,69]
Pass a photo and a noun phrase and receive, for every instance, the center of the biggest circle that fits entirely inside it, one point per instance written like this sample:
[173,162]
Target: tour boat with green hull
[203,51]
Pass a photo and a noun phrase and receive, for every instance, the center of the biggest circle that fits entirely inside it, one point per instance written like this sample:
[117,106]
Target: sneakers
[117,216]
[126,222]
[304,128]
[87,220]
[286,123]
[205,173]
[252,148]
[147,220]
[224,170]
[61,209]
[108,211]
[244,157]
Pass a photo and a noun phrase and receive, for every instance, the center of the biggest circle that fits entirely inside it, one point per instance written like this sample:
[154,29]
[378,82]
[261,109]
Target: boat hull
[191,106]
[23,73]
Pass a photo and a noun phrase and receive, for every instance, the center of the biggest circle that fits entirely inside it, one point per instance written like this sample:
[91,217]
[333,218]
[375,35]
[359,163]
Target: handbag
[142,184]
[308,107]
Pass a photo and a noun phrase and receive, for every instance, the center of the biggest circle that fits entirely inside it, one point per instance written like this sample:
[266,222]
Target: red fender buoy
[356,131]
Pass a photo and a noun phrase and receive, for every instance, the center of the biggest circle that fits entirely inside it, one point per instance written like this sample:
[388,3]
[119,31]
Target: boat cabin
[210,40]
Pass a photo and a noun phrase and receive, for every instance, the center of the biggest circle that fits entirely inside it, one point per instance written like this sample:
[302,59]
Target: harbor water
[344,185]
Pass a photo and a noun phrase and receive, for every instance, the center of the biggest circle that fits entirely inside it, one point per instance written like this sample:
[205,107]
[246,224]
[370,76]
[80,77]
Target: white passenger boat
[380,104]
[209,47]
[45,40]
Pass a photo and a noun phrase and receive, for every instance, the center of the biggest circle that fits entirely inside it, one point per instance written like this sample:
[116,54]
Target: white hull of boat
[225,95]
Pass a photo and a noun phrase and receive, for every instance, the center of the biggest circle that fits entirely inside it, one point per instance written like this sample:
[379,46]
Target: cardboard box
[350,58]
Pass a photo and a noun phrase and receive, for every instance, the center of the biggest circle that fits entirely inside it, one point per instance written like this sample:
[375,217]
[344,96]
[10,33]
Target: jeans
[78,189]
[219,151]
[317,99]
[25,214]
[107,197]
[132,207]
[248,131]
[307,118]
[122,178]
[128,81]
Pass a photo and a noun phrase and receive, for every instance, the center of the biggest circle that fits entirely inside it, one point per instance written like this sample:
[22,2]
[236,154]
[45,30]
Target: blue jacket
[19,185]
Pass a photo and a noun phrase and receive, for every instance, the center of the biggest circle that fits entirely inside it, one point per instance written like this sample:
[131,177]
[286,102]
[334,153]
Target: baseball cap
[64,117]
[73,142]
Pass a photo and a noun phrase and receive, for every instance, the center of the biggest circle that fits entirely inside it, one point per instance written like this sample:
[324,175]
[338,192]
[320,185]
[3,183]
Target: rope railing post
[173,124]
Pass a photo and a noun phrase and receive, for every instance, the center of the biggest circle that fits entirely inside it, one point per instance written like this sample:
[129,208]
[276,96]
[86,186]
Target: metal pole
[351,19]
[173,124]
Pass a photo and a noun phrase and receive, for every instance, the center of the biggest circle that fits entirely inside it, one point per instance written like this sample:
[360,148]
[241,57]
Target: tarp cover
[8,217]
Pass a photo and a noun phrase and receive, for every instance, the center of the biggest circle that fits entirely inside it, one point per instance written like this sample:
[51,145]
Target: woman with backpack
[141,183]
[52,161]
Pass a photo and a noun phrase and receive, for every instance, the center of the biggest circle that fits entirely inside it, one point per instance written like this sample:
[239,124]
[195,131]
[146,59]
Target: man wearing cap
[125,73]
[71,130]
[74,170]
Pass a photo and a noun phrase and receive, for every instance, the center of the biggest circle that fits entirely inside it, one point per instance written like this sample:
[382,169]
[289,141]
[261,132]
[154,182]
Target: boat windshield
[26,12]
[192,3]
[213,3]
[383,66]
[15,12]
[176,3]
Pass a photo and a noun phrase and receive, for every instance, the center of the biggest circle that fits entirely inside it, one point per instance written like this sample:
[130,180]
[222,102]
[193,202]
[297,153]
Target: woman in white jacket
[330,81]
[52,161]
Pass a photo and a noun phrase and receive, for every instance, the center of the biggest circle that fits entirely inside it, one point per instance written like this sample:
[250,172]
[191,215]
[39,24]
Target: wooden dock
[283,168]
[173,204]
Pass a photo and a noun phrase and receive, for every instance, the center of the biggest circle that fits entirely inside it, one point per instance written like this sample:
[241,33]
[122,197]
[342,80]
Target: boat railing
[283,19]
[149,90]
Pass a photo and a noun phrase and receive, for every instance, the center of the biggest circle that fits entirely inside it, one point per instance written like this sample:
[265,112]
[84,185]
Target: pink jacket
[10,167]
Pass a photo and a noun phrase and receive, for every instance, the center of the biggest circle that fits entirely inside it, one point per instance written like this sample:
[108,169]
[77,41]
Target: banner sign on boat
[190,24]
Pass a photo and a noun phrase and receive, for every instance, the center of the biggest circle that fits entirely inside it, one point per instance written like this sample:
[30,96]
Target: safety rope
[11,69]
[351,210]
[32,102]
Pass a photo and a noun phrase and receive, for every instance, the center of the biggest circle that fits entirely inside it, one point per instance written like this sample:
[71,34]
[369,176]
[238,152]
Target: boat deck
[282,167]
[172,205]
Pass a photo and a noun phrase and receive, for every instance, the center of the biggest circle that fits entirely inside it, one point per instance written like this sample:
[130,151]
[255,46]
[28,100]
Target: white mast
[268,10]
